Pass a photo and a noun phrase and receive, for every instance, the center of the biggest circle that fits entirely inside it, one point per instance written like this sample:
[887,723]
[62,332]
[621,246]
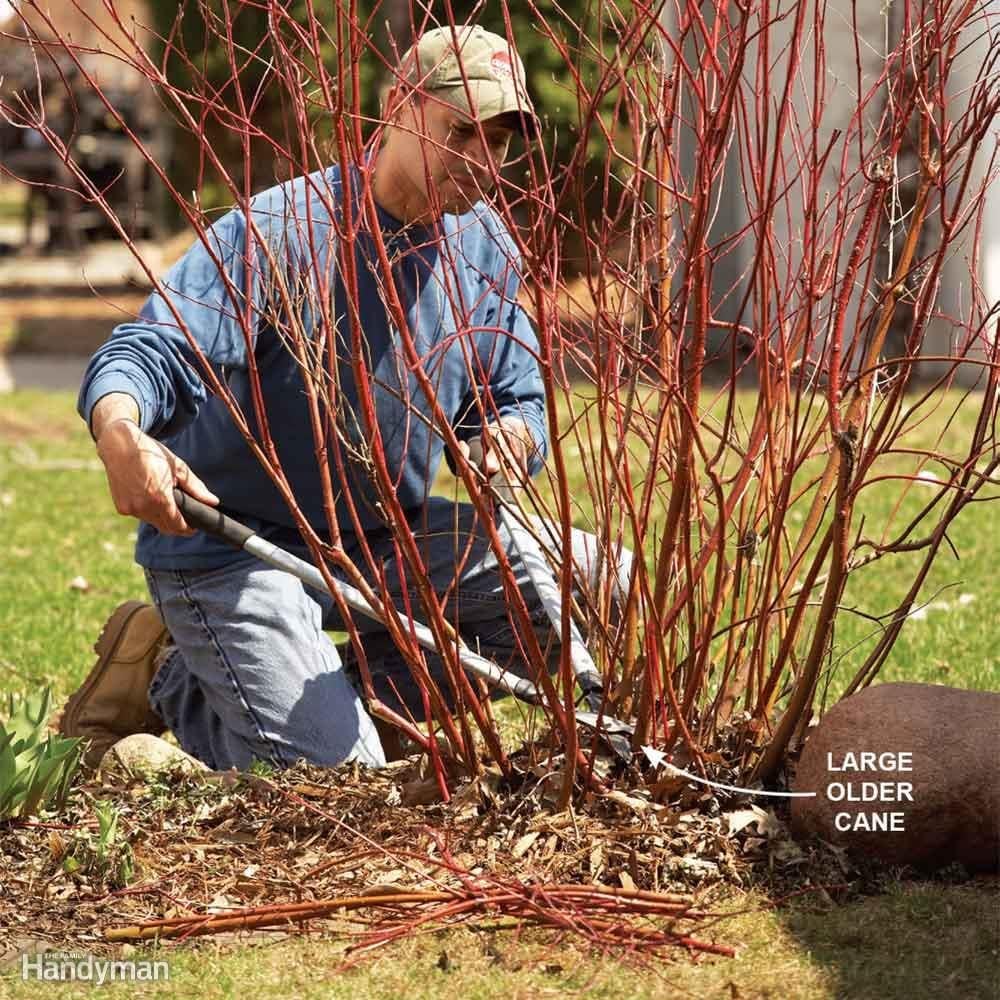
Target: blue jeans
[253,674]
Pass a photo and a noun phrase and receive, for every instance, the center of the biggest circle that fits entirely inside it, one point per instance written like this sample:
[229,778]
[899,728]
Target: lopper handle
[211,520]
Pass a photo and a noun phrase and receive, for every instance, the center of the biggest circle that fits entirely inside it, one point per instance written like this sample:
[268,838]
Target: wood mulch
[220,843]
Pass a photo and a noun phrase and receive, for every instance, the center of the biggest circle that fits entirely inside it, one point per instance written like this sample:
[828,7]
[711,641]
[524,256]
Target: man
[233,658]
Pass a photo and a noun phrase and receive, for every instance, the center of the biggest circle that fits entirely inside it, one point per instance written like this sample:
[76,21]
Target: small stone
[79,583]
[142,754]
[906,773]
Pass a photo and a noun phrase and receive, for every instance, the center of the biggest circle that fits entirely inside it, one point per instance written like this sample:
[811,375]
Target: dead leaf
[698,865]
[740,819]
[468,799]
[220,904]
[639,806]
[524,844]
[596,859]
[57,845]
[422,792]
[233,837]
[309,791]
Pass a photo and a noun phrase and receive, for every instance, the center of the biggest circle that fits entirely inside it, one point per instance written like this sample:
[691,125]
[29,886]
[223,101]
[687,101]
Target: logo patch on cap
[500,64]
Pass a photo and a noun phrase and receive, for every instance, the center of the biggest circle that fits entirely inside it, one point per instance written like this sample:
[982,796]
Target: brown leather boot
[113,701]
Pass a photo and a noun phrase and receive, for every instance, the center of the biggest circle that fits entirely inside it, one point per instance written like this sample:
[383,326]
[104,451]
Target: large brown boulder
[908,773]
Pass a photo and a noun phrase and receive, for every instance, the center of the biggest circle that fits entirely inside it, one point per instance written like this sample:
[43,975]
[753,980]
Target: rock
[142,754]
[6,376]
[953,739]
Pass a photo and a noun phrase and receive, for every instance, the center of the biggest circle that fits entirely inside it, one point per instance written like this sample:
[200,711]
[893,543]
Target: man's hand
[508,444]
[141,472]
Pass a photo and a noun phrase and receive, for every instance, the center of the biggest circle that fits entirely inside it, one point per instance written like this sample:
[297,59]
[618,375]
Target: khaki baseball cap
[494,72]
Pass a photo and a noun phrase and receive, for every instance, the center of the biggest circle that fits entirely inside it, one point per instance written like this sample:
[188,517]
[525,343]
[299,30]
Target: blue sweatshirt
[458,282]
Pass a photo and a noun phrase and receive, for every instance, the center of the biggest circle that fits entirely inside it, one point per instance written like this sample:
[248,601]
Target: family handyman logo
[63,967]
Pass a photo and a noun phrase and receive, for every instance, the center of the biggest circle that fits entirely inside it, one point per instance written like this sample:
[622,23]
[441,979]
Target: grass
[58,524]
[12,199]
[916,940]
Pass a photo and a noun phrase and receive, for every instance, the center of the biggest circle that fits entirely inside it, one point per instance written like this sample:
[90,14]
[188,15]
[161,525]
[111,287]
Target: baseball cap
[494,72]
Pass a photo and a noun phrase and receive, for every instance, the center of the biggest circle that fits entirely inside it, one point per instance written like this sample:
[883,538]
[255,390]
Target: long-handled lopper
[585,670]
[214,522]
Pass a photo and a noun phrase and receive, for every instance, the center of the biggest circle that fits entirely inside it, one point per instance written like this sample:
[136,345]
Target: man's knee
[269,679]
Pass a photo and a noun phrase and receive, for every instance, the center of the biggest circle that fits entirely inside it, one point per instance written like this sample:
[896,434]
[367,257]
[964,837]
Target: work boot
[113,702]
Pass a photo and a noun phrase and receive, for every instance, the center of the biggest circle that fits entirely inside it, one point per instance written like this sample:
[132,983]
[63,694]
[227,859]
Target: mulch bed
[213,845]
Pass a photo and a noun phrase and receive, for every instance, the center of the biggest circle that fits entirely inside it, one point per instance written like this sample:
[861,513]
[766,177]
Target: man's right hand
[141,472]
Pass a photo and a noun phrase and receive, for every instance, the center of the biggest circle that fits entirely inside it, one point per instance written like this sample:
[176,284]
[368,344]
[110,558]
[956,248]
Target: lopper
[613,731]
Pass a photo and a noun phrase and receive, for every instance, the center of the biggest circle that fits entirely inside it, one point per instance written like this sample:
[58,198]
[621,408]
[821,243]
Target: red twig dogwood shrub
[770,210]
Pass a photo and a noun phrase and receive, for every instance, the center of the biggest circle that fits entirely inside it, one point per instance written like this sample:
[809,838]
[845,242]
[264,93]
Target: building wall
[957,298]
[849,69]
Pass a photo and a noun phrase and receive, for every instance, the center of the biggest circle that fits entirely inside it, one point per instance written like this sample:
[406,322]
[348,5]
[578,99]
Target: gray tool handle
[548,590]
[208,519]
[586,672]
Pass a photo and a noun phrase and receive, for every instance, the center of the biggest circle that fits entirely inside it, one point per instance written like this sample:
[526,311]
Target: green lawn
[59,524]
[917,940]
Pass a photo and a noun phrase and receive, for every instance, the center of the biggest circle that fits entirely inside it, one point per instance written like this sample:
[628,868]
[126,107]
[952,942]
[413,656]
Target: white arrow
[659,759]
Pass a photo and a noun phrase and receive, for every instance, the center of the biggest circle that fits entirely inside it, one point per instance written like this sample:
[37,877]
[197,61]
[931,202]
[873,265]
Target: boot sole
[105,647]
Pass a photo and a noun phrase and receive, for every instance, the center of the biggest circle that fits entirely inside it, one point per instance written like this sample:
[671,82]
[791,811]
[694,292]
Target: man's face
[439,151]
